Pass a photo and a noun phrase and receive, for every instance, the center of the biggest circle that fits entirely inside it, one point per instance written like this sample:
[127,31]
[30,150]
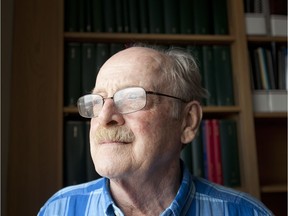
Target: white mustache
[114,134]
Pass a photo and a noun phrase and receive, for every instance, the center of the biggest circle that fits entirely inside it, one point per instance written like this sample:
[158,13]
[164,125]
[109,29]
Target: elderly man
[144,109]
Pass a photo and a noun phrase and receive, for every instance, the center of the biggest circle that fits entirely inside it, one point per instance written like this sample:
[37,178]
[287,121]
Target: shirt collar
[179,205]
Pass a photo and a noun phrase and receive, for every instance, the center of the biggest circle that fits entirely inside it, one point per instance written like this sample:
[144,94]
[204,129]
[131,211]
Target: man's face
[153,140]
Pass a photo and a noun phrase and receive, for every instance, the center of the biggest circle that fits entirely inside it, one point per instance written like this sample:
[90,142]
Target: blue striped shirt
[195,197]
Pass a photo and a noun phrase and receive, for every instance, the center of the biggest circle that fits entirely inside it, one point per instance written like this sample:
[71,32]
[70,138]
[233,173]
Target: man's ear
[191,121]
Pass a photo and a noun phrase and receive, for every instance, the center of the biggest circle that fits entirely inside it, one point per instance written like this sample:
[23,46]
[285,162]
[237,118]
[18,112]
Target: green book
[171,16]
[197,156]
[202,17]
[72,82]
[156,16]
[88,15]
[89,71]
[209,75]
[229,153]
[71,15]
[187,157]
[119,15]
[74,153]
[143,16]
[109,16]
[186,17]
[115,47]
[134,16]
[220,18]
[102,54]
[97,16]
[223,73]
[81,15]
[126,16]
[91,173]
[196,52]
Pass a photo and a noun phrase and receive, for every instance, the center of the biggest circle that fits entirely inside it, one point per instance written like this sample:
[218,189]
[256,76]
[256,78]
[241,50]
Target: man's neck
[148,195]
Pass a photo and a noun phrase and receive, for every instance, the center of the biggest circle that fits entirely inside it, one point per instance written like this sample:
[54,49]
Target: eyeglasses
[126,101]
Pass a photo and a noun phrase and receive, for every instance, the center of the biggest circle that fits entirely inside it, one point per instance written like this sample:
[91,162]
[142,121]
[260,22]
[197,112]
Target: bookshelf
[36,147]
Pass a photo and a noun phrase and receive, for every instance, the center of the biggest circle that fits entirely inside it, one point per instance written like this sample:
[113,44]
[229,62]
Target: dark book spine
[171,16]
[88,67]
[186,17]
[202,17]
[229,153]
[97,16]
[74,153]
[197,156]
[71,15]
[220,18]
[143,12]
[134,16]
[156,16]
[119,15]
[109,16]
[223,72]
[102,54]
[91,173]
[209,75]
[72,82]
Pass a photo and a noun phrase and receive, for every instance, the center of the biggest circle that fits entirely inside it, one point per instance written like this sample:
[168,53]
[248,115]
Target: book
[202,17]
[81,15]
[109,16]
[115,47]
[143,16]
[209,75]
[186,17]
[119,15]
[223,75]
[97,16]
[91,173]
[102,54]
[186,156]
[156,16]
[197,155]
[126,21]
[263,68]
[71,15]
[88,15]
[74,153]
[229,153]
[217,172]
[220,17]
[134,16]
[171,16]
[89,71]
[72,70]
[208,146]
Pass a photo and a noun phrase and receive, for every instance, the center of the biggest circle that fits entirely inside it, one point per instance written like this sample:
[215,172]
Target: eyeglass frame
[146,93]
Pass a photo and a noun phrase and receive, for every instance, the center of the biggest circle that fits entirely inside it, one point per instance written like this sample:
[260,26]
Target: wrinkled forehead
[131,67]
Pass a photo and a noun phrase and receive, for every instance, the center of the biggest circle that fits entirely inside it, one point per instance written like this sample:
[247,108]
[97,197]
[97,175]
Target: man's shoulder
[83,189]
[74,197]
[206,191]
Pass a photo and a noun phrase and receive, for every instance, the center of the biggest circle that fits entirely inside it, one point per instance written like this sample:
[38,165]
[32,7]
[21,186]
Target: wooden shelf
[266,39]
[277,188]
[159,38]
[270,115]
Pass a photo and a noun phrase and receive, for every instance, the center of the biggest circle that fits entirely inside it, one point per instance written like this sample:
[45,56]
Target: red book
[218,177]
[209,147]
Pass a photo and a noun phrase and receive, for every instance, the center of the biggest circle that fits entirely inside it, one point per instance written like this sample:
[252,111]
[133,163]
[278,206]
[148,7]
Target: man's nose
[109,114]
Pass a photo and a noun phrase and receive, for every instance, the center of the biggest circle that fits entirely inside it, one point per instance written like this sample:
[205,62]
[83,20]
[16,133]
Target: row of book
[83,61]
[147,16]
[78,164]
[266,17]
[214,153]
[268,68]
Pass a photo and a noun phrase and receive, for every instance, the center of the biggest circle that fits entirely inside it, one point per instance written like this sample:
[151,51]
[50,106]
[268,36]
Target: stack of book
[147,16]
[214,153]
